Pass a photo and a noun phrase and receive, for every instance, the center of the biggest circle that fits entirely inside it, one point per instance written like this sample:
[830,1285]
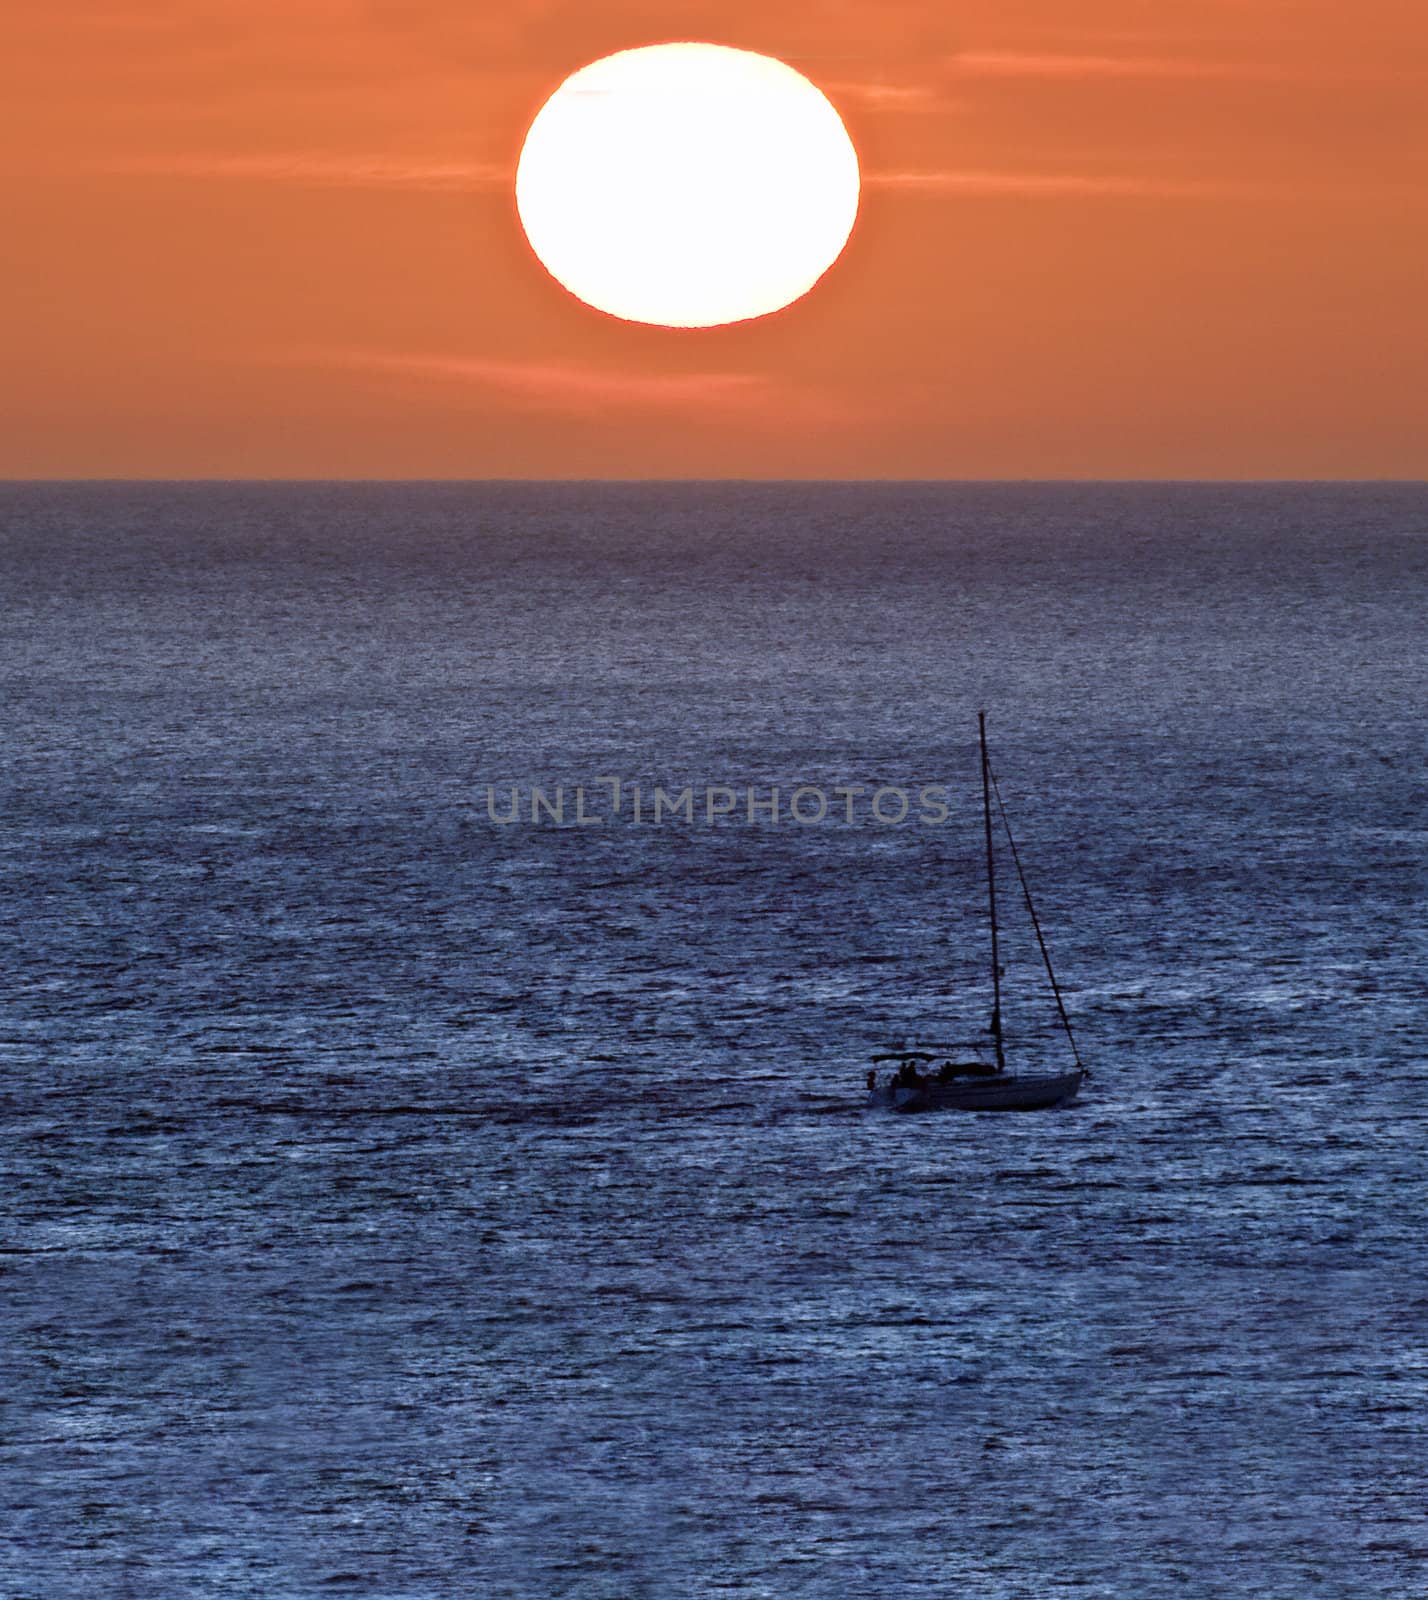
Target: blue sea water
[405,1205]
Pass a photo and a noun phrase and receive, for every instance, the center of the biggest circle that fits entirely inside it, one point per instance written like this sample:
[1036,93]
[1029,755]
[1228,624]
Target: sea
[436,1163]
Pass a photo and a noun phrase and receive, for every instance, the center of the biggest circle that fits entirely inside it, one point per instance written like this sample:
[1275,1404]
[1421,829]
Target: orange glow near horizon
[1120,240]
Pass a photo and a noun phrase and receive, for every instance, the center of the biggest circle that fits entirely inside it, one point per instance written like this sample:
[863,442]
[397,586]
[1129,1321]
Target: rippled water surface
[405,1205]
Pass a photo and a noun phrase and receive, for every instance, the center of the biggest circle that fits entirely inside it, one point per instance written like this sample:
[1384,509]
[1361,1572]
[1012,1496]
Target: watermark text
[603,801]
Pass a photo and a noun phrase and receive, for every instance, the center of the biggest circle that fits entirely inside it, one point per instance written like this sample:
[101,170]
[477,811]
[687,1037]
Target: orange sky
[1099,238]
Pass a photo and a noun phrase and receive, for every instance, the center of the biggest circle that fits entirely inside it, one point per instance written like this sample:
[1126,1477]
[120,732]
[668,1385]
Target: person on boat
[872,1077]
[964,1069]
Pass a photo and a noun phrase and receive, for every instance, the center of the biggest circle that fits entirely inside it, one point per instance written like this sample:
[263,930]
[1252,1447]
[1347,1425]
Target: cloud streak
[573,390]
[881,96]
[1054,64]
[373,172]
[977,182]
[321,171]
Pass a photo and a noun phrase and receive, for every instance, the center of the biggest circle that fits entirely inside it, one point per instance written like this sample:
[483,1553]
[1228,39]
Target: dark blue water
[404,1205]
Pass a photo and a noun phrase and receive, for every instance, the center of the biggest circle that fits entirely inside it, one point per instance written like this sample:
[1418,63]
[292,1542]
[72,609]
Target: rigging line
[1035,922]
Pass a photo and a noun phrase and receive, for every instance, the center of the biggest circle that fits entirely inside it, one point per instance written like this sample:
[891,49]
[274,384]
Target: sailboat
[929,1077]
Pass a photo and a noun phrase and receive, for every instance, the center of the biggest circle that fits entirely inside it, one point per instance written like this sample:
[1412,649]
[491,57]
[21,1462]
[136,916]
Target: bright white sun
[687,185]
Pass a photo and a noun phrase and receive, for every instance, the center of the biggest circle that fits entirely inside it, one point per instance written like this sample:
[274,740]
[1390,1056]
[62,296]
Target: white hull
[1010,1093]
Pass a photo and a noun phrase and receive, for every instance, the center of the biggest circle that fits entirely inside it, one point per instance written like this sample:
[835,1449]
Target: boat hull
[1009,1093]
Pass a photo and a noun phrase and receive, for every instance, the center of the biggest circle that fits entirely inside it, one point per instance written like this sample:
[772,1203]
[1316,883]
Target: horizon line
[313,479]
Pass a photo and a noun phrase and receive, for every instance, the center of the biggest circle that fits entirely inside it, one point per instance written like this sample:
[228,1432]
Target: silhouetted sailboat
[981,1085]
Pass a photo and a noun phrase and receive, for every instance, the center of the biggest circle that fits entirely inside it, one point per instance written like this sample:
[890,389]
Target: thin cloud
[1049,64]
[380,173]
[569,389]
[1054,64]
[960,181]
[918,97]
[320,171]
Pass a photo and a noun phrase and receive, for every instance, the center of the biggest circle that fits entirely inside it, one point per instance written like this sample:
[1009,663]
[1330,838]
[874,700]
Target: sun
[687,185]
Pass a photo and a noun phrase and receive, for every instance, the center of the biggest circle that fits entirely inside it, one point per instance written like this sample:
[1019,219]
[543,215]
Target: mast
[991,896]
[1036,923]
